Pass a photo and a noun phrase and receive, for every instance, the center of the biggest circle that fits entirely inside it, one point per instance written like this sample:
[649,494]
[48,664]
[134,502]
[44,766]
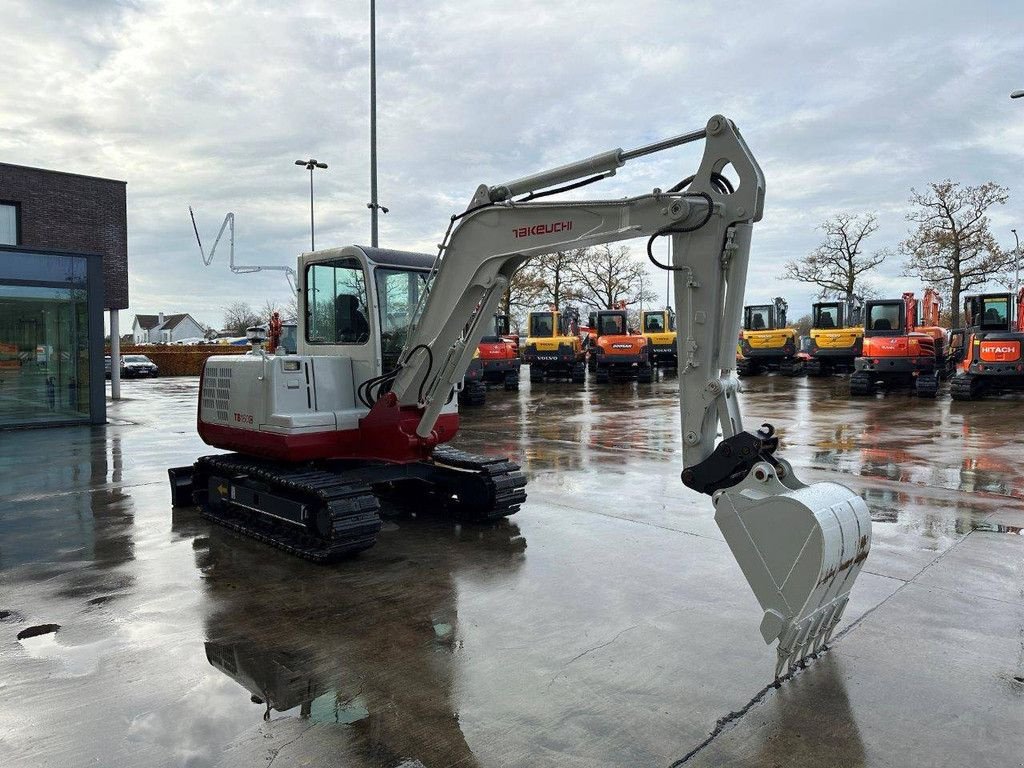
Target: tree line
[599,277]
[949,246]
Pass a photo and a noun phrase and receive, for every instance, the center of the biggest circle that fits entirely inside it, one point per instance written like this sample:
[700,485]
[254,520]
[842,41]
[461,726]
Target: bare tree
[952,246]
[521,295]
[553,278]
[803,325]
[840,259]
[238,316]
[606,276]
[290,310]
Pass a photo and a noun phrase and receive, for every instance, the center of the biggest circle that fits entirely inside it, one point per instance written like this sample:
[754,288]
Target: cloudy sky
[845,105]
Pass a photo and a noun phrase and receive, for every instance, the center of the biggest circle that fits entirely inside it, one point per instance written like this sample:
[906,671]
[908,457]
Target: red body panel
[496,350]
[912,345]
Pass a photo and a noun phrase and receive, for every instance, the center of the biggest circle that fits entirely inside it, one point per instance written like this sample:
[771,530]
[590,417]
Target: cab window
[759,318]
[994,313]
[336,307]
[612,325]
[541,325]
[828,317]
[398,298]
[884,317]
[654,323]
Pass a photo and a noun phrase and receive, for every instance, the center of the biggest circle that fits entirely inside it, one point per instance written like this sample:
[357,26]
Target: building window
[9,220]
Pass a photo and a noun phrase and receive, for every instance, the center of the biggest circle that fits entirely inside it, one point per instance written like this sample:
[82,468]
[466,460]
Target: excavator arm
[800,547]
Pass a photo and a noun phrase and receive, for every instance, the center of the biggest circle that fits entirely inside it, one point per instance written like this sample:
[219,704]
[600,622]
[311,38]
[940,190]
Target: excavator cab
[659,326]
[990,356]
[553,350]
[766,344]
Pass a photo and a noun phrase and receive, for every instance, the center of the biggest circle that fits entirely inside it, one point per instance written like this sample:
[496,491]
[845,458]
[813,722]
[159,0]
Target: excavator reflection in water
[321,656]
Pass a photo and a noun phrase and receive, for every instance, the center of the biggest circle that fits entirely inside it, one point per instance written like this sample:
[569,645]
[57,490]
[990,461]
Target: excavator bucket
[801,548]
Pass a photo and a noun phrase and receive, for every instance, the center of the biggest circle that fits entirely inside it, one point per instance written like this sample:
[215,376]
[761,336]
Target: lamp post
[1017,94]
[1016,265]
[309,165]
[373,205]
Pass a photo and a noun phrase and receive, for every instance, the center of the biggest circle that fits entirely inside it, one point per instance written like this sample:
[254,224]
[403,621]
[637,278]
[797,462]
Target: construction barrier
[181,360]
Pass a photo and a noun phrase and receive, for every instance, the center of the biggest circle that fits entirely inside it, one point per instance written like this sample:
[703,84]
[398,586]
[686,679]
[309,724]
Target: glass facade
[50,339]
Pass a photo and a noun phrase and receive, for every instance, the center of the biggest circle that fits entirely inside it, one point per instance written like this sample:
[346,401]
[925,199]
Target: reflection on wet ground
[606,624]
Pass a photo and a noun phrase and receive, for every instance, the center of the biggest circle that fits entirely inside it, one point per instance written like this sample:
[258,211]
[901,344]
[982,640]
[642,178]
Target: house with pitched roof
[165,329]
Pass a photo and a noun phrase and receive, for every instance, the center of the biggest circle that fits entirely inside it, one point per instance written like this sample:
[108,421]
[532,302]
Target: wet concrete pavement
[605,624]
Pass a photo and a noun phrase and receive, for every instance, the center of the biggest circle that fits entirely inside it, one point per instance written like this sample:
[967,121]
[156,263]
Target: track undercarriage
[322,511]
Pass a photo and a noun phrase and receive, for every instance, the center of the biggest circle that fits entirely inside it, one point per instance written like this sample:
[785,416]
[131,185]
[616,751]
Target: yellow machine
[659,326]
[765,342]
[837,338]
[553,348]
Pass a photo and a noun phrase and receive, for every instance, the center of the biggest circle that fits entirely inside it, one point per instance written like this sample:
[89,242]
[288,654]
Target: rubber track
[927,385]
[506,481]
[352,506]
[861,385]
[963,387]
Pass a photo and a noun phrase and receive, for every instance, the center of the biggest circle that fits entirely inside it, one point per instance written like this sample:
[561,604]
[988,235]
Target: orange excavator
[499,356]
[990,356]
[614,352]
[904,346]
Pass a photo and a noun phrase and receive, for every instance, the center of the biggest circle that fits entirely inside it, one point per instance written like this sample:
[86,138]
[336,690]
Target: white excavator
[385,337]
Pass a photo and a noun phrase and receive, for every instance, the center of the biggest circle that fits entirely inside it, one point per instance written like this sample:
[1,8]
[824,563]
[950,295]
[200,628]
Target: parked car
[138,366]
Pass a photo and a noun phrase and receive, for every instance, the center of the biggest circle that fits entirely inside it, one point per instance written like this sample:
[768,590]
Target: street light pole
[1017,94]
[1016,265]
[310,165]
[373,205]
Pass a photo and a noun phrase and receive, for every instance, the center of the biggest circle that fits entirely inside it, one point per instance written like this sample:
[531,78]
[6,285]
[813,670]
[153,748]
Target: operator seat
[827,321]
[882,324]
[993,316]
[757,322]
[349,323]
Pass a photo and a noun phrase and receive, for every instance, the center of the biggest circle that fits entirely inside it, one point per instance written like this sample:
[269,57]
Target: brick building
[63,260]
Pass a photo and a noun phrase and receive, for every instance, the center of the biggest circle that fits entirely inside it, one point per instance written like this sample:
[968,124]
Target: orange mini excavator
[991,355]
[904,346]
[499,355]
[614,352]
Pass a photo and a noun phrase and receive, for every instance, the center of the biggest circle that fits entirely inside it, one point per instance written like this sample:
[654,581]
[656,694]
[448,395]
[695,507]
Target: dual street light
[309,165]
